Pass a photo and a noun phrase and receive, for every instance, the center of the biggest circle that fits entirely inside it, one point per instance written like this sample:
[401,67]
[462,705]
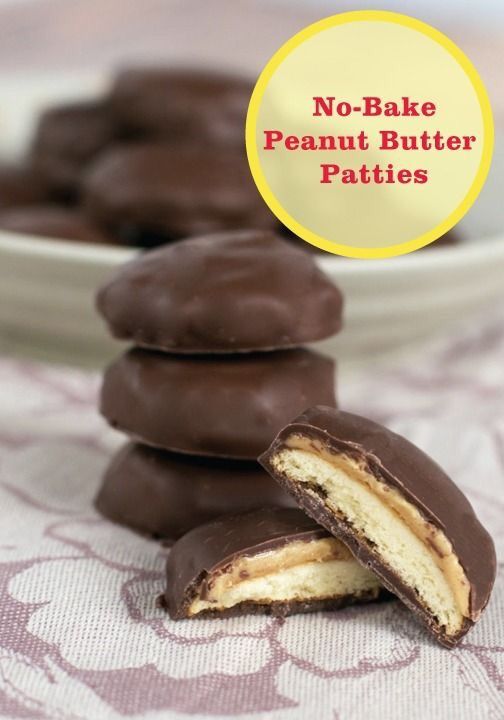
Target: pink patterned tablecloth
[80,634]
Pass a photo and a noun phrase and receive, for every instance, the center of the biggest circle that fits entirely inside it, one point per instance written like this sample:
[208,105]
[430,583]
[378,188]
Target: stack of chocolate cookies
[218,367]
[337,510]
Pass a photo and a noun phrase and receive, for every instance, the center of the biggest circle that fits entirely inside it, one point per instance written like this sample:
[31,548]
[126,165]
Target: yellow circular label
[369,134]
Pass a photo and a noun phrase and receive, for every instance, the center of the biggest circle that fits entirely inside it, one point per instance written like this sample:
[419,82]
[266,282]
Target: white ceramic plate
[47,287]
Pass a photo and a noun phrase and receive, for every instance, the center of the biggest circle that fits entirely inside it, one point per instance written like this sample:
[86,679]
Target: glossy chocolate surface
[165,495]
[229,406]
[235,291]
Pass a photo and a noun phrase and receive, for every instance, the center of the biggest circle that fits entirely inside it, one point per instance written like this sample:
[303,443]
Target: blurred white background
[55,49]
[485,11]
[67,35]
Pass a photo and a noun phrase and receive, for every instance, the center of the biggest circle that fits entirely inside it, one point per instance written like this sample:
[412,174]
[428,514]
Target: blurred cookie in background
[67,138]
[182,104]
[21,185]
[52,221]
[152,193]
[158,158]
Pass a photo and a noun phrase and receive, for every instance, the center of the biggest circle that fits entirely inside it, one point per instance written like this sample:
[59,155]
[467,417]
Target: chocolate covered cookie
[67,138]
[397,511]
[229,406]
[231,292]
[165,495]
[273,561]
[153,193]
[21,185]
[182,104]
[53,221]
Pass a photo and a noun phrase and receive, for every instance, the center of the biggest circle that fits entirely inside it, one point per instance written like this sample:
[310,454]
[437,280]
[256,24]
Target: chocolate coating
[182,104]
[20,185]
[67,138]
[152,193]
[397,462]
[165,495]
[230,406]
[215,545]
[52,221]
[237,291]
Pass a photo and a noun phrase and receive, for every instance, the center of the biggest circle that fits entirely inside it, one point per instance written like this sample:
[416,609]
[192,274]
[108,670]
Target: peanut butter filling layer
[312,570]
[408,544]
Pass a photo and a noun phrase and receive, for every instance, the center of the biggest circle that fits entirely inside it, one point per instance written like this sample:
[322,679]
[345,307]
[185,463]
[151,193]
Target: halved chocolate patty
[397,511]
[274,561]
